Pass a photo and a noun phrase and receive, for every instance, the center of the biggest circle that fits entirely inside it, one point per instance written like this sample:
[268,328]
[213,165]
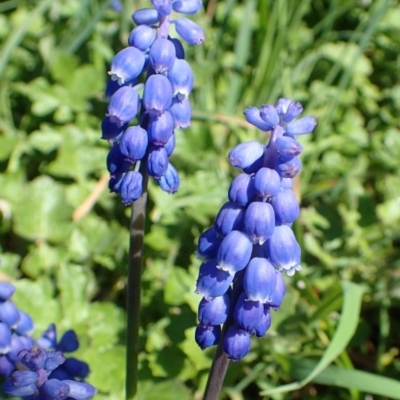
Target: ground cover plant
[65,238]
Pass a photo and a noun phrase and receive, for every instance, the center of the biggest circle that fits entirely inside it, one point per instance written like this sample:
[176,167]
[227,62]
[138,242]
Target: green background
[64,238]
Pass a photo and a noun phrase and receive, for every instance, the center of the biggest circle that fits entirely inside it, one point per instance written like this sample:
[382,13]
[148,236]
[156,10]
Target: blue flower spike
[251,245]
[141,127]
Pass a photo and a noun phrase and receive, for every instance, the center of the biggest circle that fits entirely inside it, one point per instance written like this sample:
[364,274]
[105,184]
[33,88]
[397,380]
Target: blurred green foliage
[64,238]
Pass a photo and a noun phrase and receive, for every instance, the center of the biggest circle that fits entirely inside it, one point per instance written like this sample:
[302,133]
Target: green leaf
[349,379]
[42,212]
[166,390]
[352,297]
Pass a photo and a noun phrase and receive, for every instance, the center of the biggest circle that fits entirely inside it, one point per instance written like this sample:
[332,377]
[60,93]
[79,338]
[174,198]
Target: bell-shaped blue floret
[187,6]
[236,343]
[286,207]
[9,313]
[146,16]
[288,169]
[259,221]
[6,366]
[241,190]
[181,112]
[269,115]
[133,144]
[160,128]
[252,115]
[234,252]
[264,323]
[131,187]
[229,218]
[267,182]
[53,360]
[283,250]
[19,343]
[80,390]
[142,37]
[110,130]
[48,339]
[214,311]
[157,162]
[247,313]
[247,156]
[162,55]
[127,65]
[164,7]
[189,31]
[55,389]
[282,105]
[33,359]
[157,95]
[69,342]
[116,161]
[25,325]
[207,336]
[259,280]
[212,282]
[170,145]
[287,147]
[23,378]
[170,181]
[181,78]
[6,291]
[180,51]
[301,126]
[294,109]
[76,368]
[5,338]
[123,105]
[208,244]
[279,292]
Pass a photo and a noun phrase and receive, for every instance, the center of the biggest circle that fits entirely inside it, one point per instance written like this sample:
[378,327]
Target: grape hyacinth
[251,244]
[153,56]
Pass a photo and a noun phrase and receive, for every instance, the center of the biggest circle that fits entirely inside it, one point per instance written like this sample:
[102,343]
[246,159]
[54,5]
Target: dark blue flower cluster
[251,243]
[164,105]
[50,375]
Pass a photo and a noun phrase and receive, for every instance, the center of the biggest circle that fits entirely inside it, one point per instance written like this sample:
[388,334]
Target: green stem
[138,219]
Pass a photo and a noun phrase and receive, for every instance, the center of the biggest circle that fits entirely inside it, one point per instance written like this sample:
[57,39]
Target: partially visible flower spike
[251,244]
[157,60]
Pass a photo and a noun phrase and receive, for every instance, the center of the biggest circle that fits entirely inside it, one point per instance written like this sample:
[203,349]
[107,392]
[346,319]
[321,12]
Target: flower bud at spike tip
[287,147]
[123,105]
[301,126]
[212,282]
[162,55]
[259,280]
[247,156]
[234,252]
[127,65]
[133,143]
[282,105]
[294,109]
[157,95]
[170,181]
[236,343]
[187,6]
[146,16]
[189,31]
[269,115]
[252,115]
[142,37]
[164,7]
[214,311]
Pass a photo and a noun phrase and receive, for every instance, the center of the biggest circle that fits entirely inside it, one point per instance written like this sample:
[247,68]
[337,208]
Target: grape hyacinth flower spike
[251,245]
[157,60]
